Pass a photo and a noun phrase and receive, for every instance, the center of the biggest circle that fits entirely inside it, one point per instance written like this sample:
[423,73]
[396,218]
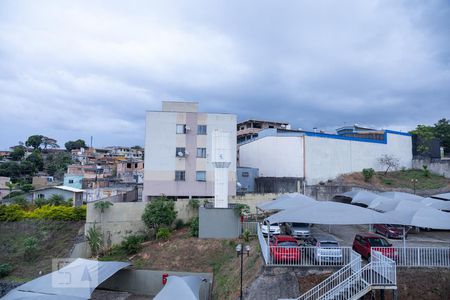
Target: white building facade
[178,144]
[318,157]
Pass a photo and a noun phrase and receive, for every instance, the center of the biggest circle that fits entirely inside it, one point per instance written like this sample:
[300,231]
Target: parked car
[327,249]
[284,248]
[364,242]
[299,230]
[274,229]
[391,231]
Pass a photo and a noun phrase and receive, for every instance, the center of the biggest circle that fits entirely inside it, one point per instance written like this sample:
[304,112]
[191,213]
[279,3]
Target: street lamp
[414,181]
[240,252]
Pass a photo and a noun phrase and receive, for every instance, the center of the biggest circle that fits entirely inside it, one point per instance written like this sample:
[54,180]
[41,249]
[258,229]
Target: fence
[263,245]
[252,227]
[383,271]
[418,256]
[302,256]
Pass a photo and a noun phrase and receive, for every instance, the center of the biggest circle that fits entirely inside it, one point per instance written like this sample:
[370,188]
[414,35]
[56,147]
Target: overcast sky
[72,69]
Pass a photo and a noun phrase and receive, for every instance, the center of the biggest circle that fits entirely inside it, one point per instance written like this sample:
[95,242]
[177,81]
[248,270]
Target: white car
[274,229]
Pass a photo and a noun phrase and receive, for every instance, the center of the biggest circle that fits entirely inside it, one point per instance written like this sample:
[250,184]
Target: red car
[391,231]
[284,248]
[365,241]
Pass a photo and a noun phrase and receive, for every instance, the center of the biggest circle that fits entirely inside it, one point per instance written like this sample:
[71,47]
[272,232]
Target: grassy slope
[55,239]
[184,253]
[399,179]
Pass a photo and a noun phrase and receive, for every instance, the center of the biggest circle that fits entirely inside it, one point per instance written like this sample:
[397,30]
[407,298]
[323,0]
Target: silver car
[299,230]
[327,249]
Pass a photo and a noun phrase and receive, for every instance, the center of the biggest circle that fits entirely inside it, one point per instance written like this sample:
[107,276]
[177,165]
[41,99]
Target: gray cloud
[75,69]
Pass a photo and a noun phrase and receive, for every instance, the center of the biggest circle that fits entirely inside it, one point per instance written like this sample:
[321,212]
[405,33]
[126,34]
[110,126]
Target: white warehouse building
[316,157]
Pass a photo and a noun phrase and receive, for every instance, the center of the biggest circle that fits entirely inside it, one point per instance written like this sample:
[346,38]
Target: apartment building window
[180,175]
[201,176]
[201,152]
[41,196]
[181,128]
[245,174]
[70,180]
[180,152]
[201,129]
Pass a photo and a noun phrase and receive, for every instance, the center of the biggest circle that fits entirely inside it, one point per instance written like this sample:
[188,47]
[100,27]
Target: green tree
[10,169]
[56,163]
[11,186]
[36,159]
[442,132]
[34,141]
[27,168]
[78,144]
[18,153]
[26,187]
[159,212]
[48,142]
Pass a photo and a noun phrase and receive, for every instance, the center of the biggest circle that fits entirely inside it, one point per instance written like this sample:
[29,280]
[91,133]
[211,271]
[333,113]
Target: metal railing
[335,279]
[418,256]
[300,256]
[252,227]
[383,270]
[263,245]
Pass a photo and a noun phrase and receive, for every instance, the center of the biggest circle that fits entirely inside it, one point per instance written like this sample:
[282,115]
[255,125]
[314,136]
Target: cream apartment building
[178,143]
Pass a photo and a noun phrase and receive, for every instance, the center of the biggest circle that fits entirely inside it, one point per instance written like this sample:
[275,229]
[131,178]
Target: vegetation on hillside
[422,179]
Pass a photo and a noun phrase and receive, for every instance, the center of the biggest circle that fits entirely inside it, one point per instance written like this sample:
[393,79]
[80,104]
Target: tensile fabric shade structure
[77,280]
[180,287]
[287,201]
[384,204]
[402,196]
[436,203]
[445,196]
[359,196]
[425,217]
[331,213]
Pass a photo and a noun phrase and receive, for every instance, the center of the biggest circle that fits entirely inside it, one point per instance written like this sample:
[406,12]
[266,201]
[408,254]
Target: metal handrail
[418,256]
[334,280]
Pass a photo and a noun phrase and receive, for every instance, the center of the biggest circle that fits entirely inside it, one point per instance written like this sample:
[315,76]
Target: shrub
[179,223]
[242,209]
[11,213]
[132,244]
[368,174]
[426,172]
[193,229]
[163,233]
[20,200]
[95,240]
[57,200]
[62,213]
[5,269]
[31,248]
[246,235]
[159,212]
[194,204]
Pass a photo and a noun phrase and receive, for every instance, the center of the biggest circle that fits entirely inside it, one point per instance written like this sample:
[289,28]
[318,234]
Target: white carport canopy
[402,196]
[75,281]
[332,213]
[360,196]
[384,204]
[425,217]
[287,201]
[184,287]
[435,203]
[445,196]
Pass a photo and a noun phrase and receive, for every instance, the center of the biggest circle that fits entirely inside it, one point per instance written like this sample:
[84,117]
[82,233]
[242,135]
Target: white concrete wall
[327,158]
[275,156]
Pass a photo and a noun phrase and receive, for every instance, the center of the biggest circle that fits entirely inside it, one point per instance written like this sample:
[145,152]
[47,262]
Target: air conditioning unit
[180,154]
[187,128]
[186,153]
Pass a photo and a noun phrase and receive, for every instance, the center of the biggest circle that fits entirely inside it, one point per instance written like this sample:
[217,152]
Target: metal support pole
[242,263]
